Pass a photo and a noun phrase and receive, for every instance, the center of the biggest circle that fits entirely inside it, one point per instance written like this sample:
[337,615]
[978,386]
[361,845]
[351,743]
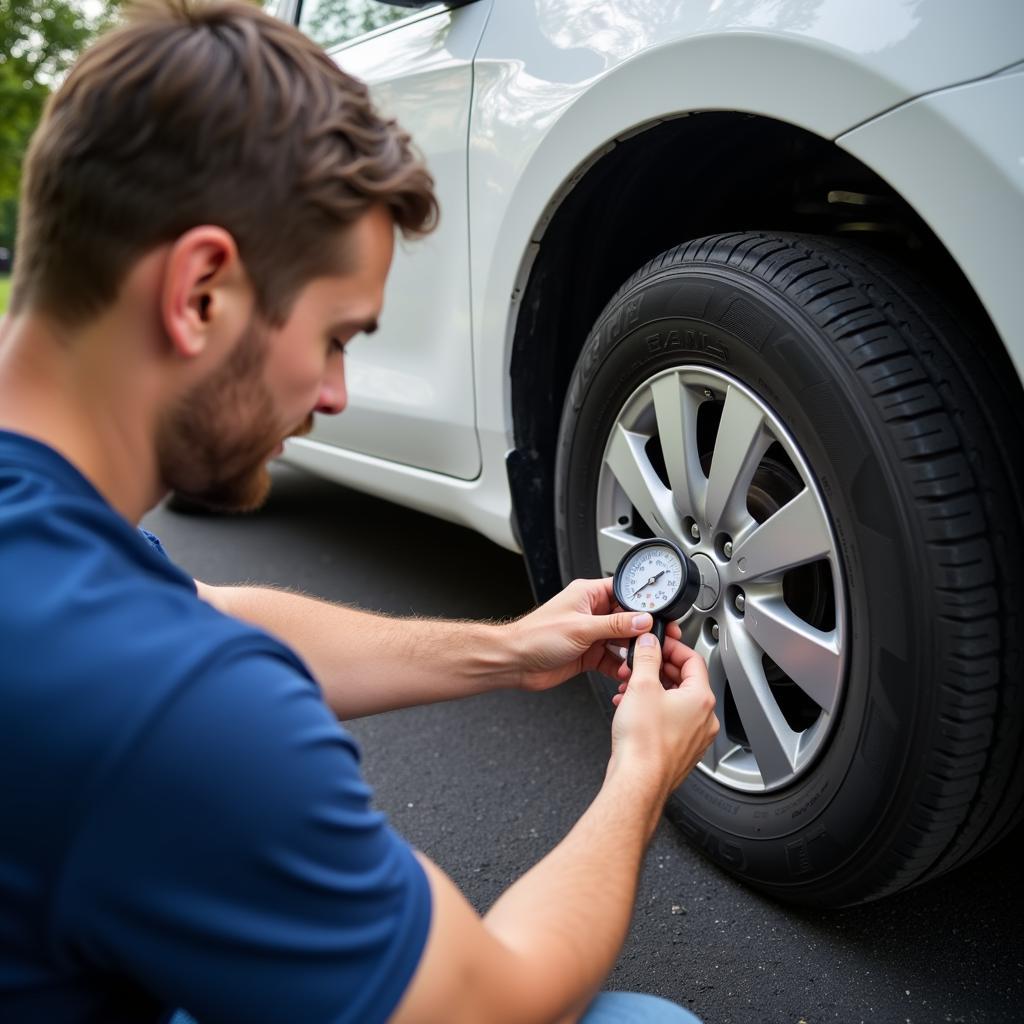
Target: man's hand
[580,630]
[663,730]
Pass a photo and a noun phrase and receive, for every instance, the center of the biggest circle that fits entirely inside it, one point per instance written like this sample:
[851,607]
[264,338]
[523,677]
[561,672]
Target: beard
[213,446]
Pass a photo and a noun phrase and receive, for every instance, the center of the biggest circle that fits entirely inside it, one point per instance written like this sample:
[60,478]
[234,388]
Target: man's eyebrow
[367,326]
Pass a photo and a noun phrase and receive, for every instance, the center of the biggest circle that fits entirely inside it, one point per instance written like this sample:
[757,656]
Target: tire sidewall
[797,836]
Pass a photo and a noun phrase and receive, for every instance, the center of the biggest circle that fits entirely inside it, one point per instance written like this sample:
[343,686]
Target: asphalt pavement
[488,785]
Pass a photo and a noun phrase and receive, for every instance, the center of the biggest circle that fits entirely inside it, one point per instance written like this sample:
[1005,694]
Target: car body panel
[965,176]
[481,504]
[557,85]
[554,84]
[411,384]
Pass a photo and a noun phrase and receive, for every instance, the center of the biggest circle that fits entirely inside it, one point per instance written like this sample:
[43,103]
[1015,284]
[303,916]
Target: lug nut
[741,602]
[727,549]
[714,631]
[695,532]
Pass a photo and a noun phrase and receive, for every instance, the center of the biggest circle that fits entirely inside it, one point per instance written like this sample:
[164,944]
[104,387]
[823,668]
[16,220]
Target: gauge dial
[650,578]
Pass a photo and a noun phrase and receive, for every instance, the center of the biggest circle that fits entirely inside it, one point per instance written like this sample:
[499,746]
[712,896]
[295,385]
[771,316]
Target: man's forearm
[567,918]
[541,953]
[368,663]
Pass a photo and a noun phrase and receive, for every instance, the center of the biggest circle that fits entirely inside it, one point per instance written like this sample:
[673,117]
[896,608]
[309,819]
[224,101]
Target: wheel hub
[710,583]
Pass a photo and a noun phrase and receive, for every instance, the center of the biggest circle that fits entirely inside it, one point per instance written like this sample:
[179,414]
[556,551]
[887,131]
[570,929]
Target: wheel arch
[665,183]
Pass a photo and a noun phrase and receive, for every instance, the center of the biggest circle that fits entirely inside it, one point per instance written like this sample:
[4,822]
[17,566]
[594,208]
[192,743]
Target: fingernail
[642,621]
[647,640]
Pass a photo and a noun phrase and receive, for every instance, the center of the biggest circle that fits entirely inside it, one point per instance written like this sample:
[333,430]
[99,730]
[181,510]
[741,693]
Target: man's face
[214,445]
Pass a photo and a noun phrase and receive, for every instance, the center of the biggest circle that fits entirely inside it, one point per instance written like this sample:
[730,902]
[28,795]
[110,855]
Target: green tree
[39,40]
[330,22]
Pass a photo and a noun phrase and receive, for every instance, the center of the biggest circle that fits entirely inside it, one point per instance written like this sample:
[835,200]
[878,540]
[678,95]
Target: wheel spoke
[676,412]
[808,656]
[612,543]
[793,536]
[691,628]
[721,747]
[741,441]
[636,476]
[772,742]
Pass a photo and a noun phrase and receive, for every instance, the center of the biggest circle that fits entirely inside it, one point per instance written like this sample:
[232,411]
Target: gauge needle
[653,579]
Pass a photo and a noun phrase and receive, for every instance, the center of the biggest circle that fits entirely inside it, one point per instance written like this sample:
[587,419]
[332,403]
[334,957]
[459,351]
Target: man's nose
[333,395]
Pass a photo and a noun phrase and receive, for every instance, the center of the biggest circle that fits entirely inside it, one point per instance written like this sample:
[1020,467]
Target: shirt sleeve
[231,862]
[154,541]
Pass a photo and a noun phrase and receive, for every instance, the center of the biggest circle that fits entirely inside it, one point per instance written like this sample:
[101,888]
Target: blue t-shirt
[182,820]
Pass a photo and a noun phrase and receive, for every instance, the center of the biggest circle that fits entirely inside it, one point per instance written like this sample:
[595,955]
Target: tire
[842,450]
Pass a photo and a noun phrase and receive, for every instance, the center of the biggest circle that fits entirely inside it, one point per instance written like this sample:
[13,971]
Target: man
[207,221]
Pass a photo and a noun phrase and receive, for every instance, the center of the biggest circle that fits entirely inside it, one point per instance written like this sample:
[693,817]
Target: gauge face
[649,578]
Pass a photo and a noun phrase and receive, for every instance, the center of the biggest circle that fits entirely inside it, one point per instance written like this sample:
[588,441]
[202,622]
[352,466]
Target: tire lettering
[625,316]
[688,341]
[717,801]
[795,812]
[798,854]
[720,849]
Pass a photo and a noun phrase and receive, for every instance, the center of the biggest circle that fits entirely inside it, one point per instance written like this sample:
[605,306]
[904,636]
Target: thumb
[646,661]
[620,624]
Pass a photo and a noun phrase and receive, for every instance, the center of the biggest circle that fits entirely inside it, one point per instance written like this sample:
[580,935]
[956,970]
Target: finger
[615,626]
[597,595]
[673,630]
[646,662]
[683,658]
[675,650]
[670,676]
[608,665]
[693,671]
[671,655]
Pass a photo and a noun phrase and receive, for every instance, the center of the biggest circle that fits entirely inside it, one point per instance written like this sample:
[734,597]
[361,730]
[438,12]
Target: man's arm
[543,950]
[369,663]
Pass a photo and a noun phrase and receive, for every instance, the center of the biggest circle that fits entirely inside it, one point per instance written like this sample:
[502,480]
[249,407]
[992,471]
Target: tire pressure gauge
[658,577]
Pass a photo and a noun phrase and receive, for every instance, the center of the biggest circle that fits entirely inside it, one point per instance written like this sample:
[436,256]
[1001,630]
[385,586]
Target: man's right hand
[663,730]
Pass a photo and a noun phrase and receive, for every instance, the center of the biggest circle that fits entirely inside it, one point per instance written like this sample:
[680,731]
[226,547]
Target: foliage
[39,40]
[330,22]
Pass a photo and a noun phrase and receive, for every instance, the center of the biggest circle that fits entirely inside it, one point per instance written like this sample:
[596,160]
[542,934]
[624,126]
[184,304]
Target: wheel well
[677,180]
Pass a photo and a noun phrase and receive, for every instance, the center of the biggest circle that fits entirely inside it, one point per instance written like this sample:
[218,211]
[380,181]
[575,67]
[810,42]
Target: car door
[410,385]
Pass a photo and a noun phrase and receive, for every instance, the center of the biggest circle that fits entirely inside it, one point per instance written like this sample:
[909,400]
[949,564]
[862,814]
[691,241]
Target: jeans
[607,1008]
[634,1008]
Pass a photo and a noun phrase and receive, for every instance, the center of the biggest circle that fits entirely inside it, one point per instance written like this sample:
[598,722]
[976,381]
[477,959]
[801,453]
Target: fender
[547,104]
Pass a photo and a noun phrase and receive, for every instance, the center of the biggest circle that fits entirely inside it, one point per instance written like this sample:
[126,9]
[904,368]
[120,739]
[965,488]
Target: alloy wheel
[697,456]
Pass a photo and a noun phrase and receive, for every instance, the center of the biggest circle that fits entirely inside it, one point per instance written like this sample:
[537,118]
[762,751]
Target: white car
[746,274]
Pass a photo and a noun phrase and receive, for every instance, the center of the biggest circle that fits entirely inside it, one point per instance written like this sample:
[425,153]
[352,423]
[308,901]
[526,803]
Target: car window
[330,22]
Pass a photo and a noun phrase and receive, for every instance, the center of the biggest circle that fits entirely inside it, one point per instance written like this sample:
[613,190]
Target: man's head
[213,443]
[205,113]
[212,132]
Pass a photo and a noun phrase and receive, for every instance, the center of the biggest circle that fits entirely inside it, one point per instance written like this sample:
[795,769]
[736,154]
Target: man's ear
[206,296]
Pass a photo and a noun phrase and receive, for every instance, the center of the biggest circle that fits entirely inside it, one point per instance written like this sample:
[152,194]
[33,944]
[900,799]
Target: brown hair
[205,113]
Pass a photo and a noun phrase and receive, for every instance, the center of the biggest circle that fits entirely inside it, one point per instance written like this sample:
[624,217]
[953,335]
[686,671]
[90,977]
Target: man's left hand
[581,629]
